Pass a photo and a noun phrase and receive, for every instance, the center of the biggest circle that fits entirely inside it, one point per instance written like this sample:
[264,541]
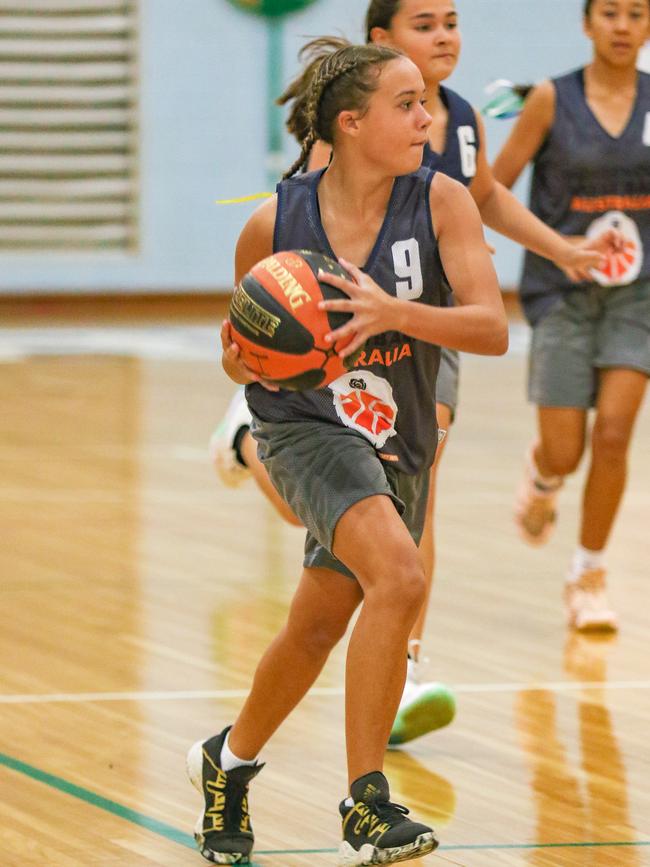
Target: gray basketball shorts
[589,330]
[321,469]
[447,381]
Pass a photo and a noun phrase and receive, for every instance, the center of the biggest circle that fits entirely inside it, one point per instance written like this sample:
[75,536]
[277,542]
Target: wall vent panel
[68,125]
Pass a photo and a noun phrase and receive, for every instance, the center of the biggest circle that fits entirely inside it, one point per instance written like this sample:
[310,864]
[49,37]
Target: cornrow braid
[297,92]
[342,79]
[306,148]
[332,66]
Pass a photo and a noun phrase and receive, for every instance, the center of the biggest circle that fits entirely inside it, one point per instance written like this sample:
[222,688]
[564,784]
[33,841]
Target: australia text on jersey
[385,357]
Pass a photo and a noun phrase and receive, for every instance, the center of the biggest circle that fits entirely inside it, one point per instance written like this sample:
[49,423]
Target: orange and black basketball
[277,324]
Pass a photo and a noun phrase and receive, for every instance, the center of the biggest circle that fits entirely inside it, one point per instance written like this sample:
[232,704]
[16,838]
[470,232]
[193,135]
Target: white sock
[413,649]
[583,560]
[349,802]
[229,760]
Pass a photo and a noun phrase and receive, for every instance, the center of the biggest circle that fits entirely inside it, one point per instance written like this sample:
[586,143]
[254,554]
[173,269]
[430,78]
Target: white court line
[198,694]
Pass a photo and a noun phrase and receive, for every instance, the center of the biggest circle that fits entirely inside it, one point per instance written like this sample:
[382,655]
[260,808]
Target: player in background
[588,136]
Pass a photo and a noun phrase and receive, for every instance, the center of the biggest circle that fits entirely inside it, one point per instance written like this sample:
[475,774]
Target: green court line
[183,839]
[133,816]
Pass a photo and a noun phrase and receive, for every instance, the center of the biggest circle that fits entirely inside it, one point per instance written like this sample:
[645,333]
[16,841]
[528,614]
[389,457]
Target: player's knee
[563,462]
[403,588]
[610,441]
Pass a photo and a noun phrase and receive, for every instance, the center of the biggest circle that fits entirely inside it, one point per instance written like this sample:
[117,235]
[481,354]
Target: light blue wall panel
[203,118]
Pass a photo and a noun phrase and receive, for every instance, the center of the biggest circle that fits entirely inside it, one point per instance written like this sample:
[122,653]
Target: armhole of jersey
[549,133]
[442,303]
[429,181]
[278,217]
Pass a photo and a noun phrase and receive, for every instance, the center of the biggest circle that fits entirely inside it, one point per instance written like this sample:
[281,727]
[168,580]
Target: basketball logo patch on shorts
[623,266]
[365,403]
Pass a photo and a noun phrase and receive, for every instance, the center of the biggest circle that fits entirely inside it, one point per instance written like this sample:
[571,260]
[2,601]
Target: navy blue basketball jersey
[585,181]
[389,396]
[458,160]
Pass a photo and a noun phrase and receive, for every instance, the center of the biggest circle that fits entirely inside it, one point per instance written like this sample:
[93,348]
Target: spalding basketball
[278,326]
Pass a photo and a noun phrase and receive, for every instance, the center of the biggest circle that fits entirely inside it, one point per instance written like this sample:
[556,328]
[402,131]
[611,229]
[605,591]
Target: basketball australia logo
[366,404]
[623,266]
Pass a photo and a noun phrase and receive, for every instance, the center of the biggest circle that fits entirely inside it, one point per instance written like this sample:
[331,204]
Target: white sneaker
[585,600]
[535,510]
[424,708]
[222,442]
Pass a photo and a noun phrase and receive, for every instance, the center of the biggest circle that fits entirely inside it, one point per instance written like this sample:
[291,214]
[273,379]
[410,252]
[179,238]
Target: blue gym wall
[203,114]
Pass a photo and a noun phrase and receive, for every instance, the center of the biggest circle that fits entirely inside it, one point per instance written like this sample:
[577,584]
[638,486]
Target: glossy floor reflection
[137,596]
[581,798]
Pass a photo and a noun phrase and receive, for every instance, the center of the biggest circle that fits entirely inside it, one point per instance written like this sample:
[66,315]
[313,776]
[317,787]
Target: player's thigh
[447,387]
[562,362]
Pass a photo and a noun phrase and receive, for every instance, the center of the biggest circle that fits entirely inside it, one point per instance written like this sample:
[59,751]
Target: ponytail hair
[339,76]
[297,92]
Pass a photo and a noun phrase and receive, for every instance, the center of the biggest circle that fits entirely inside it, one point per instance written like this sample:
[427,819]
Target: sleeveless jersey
[586,181]
[458,160]
[389,396]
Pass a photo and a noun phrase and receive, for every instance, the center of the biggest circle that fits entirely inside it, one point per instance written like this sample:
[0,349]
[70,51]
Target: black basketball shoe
[223,831]
[376,831]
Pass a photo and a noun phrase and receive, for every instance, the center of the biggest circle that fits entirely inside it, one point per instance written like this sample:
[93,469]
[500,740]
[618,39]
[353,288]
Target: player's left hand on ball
[373,310]
[234,366]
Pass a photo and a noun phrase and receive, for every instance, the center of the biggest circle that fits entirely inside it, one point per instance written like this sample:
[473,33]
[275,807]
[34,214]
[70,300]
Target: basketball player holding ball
[588,133]
[360,488]
[427,32]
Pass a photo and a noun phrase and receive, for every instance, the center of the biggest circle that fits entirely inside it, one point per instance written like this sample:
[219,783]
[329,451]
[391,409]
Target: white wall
[203,111]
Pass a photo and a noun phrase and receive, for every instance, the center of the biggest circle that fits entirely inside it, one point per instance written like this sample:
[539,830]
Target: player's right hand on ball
[234,366]
[373,310]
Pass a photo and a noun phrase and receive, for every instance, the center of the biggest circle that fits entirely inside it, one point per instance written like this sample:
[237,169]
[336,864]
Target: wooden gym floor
[137,595]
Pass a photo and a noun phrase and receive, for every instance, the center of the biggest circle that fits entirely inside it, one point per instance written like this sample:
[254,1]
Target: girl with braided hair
[427,32]
[400,230]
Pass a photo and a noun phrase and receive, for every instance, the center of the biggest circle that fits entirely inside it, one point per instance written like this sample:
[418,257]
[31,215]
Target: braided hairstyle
[297,93]
[339,76]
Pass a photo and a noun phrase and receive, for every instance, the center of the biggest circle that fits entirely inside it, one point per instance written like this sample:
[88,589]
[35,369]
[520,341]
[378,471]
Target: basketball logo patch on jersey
[623,266]
[364,402]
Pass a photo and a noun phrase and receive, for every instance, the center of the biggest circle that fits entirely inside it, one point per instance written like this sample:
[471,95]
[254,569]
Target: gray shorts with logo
[447,381]
[322,469]
[588,330]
